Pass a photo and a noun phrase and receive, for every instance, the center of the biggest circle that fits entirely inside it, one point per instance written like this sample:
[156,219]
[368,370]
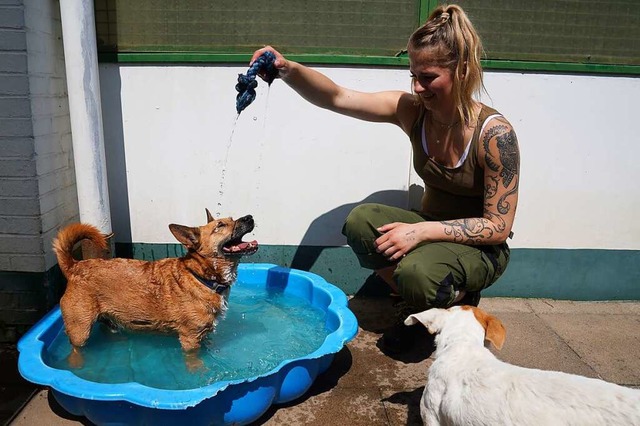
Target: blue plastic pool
[238,401]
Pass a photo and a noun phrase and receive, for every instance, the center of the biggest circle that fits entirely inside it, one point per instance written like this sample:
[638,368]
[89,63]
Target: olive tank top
[451,193]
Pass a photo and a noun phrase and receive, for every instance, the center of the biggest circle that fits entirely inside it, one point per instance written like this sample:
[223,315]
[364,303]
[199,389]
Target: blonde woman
[466,153]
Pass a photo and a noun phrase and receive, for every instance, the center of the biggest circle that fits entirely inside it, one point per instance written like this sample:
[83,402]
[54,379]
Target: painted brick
[20,281]
[8,334]
[47,125]
[13,40]
[20,244]
[40,18]
[11,17]
[16,147]
[13,62]
[9,300]
[52,163]
[64,213]
[42,44]
[18,107]
[52,200]
[20,316]
[17,167]
[11,3]
[54,143]
[16,127]
[30,299]
[45,85]
[19,206]
[27,263]
[49,105]
[59,180]
[18,187]
[20,225]
[14,84]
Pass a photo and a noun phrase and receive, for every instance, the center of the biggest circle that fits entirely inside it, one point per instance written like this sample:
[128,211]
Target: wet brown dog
[177,295]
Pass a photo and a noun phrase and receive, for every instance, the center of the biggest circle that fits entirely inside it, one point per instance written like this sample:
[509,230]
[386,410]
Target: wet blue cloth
[247,84]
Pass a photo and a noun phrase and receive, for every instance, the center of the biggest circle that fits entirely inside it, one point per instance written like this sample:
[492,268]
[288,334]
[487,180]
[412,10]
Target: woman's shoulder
[410,111]
[489,117]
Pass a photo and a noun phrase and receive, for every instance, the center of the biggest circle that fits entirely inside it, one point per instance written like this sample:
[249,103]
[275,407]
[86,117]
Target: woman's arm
[394,107]
[499,155]
[500,158]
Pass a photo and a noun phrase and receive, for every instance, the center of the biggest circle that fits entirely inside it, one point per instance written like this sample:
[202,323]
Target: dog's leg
[190,347]
[78,314]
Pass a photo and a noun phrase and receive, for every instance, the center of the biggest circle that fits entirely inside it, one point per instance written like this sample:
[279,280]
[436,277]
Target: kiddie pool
[222,403]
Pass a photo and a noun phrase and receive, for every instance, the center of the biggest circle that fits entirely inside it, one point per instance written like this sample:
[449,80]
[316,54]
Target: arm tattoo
[410,236]
[505,168]
[467,230]
[507,144]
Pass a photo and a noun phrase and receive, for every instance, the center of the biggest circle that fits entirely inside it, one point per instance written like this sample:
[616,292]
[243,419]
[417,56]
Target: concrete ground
[365,386]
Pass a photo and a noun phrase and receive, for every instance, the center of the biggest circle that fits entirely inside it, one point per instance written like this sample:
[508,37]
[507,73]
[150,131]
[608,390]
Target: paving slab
[365,386]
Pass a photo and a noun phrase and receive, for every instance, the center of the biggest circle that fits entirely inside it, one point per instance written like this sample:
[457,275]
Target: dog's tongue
[242,246]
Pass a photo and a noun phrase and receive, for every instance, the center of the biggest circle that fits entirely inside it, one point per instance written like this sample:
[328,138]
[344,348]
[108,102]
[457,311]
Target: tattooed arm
[499,156]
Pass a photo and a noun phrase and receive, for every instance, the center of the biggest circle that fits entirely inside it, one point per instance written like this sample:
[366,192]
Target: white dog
[468,385]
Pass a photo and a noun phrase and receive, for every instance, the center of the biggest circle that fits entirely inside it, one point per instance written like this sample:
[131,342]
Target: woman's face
[432,83]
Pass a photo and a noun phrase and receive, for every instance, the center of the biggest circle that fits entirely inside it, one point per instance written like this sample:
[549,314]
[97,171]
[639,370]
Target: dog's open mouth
[239,248]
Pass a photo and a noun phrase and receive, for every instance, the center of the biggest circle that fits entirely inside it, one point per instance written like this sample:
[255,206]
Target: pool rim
[33,368]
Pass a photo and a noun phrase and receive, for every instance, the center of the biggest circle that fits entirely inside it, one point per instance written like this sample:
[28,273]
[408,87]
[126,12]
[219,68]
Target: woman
[466,153]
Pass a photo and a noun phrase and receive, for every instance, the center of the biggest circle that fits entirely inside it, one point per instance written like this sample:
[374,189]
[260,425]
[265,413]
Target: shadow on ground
[61,412]
[324,382]
[14,390]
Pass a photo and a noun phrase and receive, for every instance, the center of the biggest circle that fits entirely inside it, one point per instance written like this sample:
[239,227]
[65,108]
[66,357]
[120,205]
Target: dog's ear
[188,236]
[495,333]
[432,319]
[209,216]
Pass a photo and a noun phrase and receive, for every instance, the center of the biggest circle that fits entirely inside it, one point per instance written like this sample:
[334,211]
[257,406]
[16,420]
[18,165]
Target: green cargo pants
[430,274]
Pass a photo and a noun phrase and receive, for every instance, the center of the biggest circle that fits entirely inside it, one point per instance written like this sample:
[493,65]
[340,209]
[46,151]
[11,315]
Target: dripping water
[224,167]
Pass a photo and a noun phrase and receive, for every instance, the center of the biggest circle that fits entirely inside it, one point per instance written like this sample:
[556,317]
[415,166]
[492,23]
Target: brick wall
[37,179]
[50,117]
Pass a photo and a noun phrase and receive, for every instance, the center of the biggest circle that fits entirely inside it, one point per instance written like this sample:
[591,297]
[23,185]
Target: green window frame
[578,37]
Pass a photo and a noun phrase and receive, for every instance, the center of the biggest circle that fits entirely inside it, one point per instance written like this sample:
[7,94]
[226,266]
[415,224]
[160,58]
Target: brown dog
[181,295]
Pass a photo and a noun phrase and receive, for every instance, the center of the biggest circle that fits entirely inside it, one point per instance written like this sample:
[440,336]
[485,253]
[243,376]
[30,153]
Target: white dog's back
[468,385]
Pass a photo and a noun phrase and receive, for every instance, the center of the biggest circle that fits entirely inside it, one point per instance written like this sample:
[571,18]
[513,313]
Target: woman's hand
[281,64]
[398,239]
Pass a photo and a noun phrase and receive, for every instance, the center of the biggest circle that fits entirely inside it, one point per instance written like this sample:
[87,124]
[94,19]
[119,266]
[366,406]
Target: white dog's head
[465,317]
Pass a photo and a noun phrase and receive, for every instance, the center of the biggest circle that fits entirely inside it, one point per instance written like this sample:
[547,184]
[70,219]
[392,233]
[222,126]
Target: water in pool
[261,329]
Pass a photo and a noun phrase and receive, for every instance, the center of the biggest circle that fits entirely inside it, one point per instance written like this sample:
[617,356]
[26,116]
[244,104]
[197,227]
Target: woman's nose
[417,87]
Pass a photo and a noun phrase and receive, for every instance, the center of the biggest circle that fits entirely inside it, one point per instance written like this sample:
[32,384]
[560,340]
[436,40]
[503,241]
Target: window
[570,35]
[604,32]
[322,27]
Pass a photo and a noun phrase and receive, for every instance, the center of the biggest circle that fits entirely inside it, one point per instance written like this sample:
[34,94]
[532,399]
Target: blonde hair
[450,32]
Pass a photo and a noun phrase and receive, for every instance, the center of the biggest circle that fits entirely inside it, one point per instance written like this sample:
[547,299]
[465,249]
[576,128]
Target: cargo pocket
[479,268]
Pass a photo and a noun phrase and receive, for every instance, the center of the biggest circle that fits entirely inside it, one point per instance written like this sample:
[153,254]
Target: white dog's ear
[432,319]
[495,333]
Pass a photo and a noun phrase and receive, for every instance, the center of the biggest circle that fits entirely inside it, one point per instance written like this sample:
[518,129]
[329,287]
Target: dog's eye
[220,225]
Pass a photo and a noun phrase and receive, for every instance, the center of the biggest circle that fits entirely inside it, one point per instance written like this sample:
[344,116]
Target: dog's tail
[69,236]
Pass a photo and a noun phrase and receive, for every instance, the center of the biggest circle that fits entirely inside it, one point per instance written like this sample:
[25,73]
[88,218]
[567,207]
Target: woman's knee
[425,286]
[361,221]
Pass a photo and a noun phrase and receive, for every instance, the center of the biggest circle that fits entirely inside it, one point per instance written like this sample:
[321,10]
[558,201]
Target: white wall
[175,146]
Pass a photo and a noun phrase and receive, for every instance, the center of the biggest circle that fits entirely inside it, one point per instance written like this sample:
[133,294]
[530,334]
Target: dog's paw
[75,359]
[193,362]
